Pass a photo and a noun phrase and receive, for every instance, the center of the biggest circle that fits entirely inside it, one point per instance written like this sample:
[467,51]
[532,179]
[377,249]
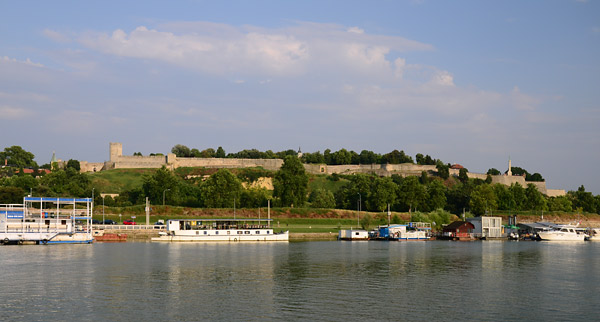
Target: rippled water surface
[330,281]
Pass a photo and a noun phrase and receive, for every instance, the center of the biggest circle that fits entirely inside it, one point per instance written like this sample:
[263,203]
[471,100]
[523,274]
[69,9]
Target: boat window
[246,232]
[267,232]
[240,232]
[216,232]
[228,232]
[197,232]
[205,232]
[257,232]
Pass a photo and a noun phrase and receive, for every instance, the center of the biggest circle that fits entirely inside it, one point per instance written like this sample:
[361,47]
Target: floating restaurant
[41,220]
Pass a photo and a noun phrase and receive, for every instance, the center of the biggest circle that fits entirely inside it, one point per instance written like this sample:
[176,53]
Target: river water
[331,281]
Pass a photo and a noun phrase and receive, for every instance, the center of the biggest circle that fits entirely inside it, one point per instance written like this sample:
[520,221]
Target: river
[331,281]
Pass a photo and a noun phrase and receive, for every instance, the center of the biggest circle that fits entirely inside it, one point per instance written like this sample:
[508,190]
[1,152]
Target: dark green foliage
[220,153]
[483,200]
[534,198]
[321,198]
[561,203]
[162,182]
[17,157]
[73,164]
[411,194]
[462,175]
[67,183]
[220,190]
[252,174]
[583,199]
[12,195]
[254,198]
[366,221]
[436,195]
[493,171]
[291,183]
[396,157]
[181,151]
[443,170]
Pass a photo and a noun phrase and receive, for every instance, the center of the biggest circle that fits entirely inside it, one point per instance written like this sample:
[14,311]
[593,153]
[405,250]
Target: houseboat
[410,231]
[349,234]
[220,230]
[41,220]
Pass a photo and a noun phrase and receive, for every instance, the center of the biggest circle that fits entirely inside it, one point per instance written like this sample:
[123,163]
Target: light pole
[103,209]
[358,215]
[93,201]
[164,191]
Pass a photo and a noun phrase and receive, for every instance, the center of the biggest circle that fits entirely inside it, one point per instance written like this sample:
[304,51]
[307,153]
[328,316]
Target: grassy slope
[118,180]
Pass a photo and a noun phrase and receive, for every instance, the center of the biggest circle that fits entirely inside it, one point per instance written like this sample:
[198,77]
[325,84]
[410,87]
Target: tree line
[223,189]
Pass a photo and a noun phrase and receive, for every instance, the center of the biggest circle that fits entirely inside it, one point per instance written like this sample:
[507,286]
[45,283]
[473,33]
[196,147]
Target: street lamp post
[92,210]
[164,191]
[358,215]
[103,209]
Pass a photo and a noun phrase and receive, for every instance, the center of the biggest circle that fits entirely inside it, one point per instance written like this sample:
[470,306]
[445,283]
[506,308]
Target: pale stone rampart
[268,164]
[119,161]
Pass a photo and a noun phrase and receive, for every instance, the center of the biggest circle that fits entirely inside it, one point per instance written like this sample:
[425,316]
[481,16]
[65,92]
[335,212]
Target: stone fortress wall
[119,161]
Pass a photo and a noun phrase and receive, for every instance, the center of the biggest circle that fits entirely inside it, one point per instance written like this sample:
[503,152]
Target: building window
[205,232]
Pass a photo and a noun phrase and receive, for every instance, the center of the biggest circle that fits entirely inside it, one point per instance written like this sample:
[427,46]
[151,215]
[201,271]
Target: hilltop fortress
[171,161]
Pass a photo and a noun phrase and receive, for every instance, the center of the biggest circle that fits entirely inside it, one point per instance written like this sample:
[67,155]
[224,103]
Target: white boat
[220,230]
[410,231]
[349,234]
[68,220]
[594,234]
[563,233]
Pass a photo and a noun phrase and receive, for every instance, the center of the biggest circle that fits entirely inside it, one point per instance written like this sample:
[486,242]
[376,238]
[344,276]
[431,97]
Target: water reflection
[309,280]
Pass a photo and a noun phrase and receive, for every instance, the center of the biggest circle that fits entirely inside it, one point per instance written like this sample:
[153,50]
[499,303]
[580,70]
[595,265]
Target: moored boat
[220,230]
[563,233]
[67,220]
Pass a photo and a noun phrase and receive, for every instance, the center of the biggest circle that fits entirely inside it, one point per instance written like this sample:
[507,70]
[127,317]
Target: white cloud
[56,36]
[26,61]
[251,51]
[13,113]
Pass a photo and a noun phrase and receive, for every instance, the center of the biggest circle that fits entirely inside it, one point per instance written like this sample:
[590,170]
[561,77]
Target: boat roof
[221,219]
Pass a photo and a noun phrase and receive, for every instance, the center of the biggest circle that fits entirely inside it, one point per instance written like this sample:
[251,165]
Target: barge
[42,220]
[220,230]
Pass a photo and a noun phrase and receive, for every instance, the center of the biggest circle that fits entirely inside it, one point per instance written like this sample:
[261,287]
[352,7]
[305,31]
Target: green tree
[12,195]
[74,164]
[155,186]
[254,197]
[443,170]
[411,194]
[383,191]
[366,221]
[583,199]
[463,175]
[506,199]
[436,195]
[220,153]
[220,190]
[534,198]
[483,199]
[518,193]
[560,203]
[291,182]
[493,172]
[321,198]
[181,150]
[16,156]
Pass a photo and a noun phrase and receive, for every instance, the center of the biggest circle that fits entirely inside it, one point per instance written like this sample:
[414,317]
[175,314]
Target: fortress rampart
[119,161]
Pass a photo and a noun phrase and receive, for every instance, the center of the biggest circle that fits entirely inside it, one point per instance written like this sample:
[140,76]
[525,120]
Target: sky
[468,82]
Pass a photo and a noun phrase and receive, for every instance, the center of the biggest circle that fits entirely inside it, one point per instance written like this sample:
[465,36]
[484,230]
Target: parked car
[96,222]
[109,222]
[129,222]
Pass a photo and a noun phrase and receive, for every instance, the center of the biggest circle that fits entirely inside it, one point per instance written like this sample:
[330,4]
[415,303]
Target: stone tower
[116,150]
[509,172]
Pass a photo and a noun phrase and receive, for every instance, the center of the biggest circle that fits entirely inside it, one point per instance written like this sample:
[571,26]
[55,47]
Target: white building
[485,226]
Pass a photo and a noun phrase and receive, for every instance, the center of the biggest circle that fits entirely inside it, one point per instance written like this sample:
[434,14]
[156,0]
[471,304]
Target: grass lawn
[118,180]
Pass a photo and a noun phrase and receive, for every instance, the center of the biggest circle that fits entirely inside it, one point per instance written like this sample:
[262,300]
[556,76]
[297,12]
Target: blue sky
[469,82]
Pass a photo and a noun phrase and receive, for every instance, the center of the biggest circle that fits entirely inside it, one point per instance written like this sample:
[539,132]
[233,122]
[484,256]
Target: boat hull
[560,236]
[284,237]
